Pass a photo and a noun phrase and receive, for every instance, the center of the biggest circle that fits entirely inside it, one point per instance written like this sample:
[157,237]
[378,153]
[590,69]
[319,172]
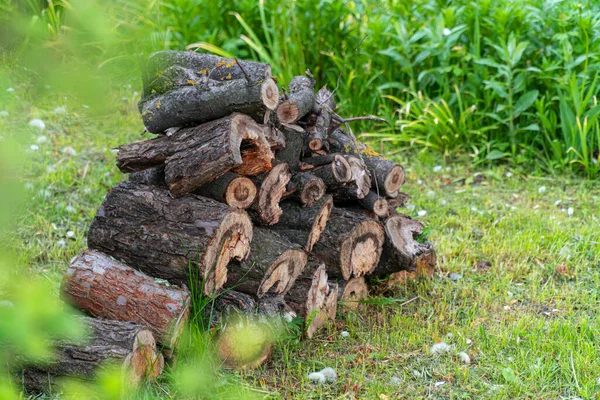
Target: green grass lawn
[516,288]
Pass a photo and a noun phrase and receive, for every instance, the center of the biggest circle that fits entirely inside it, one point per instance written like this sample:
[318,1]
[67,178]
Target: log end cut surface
[361,250]
[319,223]
[394,179]
[240,193]
[269,94]
[352,292]
[270,193]
[283,272]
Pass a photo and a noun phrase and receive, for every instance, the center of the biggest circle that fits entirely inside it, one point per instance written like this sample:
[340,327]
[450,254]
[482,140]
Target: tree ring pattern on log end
[287,112]
[342,171]
[319,224]
[314,190]
[394,179]
[269,94]
[283,273]
[270,193]
[315,144]
[361,250]
[353,291]
[380,207]
[240,193]
[231,241]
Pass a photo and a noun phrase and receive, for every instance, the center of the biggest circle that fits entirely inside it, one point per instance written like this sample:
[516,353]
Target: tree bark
[351,292]
[292,152]
[299,102]
[271,268]
[189,240]
[337,172]
[195,156]
[304,225]
[399,201]
[232,189]
[387,175]
[402,252]
[358,186]
[305,188]
[102,287]
[124,343]
[152,177]
[312,297]
[350,245]
[271,188]
[323,106]
[229,304]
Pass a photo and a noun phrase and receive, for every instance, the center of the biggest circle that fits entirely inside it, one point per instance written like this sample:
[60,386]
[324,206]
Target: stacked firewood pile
[255,198]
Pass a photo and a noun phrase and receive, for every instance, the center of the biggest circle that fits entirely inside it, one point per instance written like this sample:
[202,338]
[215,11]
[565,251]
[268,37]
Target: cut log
[198,155]
[229,304]
[312,297]
[103,287]
[387,175]
[376,204]
[109,342]
[272,267]
[323,106]
[271,188]
[304,225]
[399,201]
[350,245]
[232,189]
[299,102]
[339,171]
[359,185]
[402,251]
[292,152]
[351,292]
[188,241]
[275,137]
[305,188]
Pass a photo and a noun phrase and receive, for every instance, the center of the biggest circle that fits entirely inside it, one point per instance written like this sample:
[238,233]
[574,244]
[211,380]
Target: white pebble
[439,383]
[69,151]
[421,213]
[440,348]
[4,114]
[34,147]
[437,168]
[430,193]
[345,334]
[70,234]
[288,317]
[37,123]
[570,211]
[41,139]
[317,377]
[541,189]
[329,374]
[469,342]
[464,357]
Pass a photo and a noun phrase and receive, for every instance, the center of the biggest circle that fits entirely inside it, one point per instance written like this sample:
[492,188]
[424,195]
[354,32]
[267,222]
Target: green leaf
[495,155]
[508,375]
[525,102]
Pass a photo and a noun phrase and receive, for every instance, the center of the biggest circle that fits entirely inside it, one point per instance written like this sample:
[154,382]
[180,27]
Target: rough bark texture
[339,171]
[152,176]
[387,175]
[271,268]
[350,245]
[402,251]
[351,292]
[311,296]
[271,188]
[292,152]
[306,188]
[229,304]
[358,186]
[182,240]
[376,204]
[318,131]
[124,343]
[103,287]
[399,201]
[194,156]
[304,225]
[299,102]
[232,189]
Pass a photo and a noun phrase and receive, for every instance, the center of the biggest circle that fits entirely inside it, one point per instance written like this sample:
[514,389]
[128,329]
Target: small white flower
[329,374]
[70,234]
[541,189]
[345,334]
[570,211]
[421,213]
[443,202]
[37,123]
[10,89]
[317,377]
[469,342]
[507,307]
[61,243]
[3,113]
[437,168]
[509,174]
[440,348]
[50,169]
[41,139]
[420,182]
[446,31]
[474,209]
[71,209]
[69,151]
[34,147]
[464,357]
[288,317]
[60,110]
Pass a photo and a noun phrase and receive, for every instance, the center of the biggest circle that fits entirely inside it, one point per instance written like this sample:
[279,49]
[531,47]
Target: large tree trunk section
[306,188]
[232,189]
[376,204]
[311,296]
[338,171]
[351,292]
[304,225]
[103,287]
[124,343]
[323,107]
[387,175]
[299,102]
[198,155]
[402,251]
[271,188]
[350,245]
[200,66]
[182,240]
[272,267]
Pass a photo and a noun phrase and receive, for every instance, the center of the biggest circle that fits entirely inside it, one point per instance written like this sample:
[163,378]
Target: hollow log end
[352,292]
[231,241]
[342,171]
[240,193]
[394,179]
[287,112]
[381,207]
[402,231]
[250,148]
[269,94]
[283,273]
[313,191]
[270,193]
[361,249]
[319,223]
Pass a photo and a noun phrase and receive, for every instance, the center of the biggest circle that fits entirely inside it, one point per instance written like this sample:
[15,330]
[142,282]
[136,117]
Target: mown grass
[524,307]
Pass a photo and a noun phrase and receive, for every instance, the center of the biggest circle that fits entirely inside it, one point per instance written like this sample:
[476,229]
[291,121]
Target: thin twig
[243,71]
[210,73]
[363,118]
